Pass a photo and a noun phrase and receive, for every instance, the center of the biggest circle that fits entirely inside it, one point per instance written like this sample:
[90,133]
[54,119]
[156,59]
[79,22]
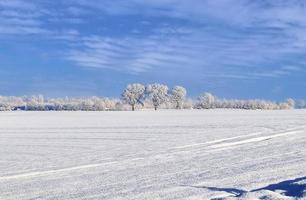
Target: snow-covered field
[201,154]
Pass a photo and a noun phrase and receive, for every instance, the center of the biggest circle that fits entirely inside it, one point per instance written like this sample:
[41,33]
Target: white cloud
[20,18]
[17,4]
[250,40]
[177,51]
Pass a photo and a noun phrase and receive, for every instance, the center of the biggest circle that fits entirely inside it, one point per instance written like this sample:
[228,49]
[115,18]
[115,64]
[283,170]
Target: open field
[207,154]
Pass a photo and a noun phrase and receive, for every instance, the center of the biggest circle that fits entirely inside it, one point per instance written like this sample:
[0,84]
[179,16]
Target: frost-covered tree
[178,95]
[157,93]
[301,104]
[35,103]
[291,103]
[134,94]
[206,101]
[188,104]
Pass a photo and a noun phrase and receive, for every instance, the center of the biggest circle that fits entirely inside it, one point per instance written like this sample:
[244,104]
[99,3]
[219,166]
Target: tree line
[137,96]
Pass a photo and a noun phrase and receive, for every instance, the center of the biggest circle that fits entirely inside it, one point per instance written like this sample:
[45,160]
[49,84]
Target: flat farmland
[184,154]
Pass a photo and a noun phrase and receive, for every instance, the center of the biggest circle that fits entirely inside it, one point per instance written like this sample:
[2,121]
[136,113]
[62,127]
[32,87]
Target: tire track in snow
[48,172]
[215,147]
[257,139]
[223,144]
[216,141]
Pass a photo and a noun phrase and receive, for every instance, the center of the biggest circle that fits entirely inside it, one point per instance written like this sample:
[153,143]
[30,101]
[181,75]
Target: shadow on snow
[292,188]
[235,192]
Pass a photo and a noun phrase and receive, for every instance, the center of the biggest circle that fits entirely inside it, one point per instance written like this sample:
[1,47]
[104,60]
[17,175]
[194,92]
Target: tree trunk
[155,107]
[133,107]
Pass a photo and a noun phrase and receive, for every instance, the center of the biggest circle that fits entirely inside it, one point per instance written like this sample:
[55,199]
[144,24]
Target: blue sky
[232,48]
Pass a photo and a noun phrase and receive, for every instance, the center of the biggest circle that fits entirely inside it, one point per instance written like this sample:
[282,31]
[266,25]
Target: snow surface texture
[206,154]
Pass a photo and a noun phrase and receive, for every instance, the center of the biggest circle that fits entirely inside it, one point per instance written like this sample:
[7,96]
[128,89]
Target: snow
[184,154]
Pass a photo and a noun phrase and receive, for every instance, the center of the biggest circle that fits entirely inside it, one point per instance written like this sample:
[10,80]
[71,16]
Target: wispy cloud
[252,39]
[17,4]
[20,17]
